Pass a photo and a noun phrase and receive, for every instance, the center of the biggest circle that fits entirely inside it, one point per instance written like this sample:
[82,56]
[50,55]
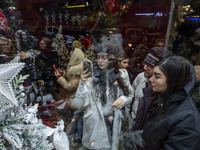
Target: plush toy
[76,44]
[46,98]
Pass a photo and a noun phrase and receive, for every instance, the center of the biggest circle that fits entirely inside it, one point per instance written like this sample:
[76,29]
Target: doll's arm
[124,100]
[124,75]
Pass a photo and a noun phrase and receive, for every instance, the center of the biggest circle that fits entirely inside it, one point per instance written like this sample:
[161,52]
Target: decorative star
[7,73]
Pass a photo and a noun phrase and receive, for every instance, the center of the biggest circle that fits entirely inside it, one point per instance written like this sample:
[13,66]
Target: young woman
[104,96]
[123,61]
[169,118]
[44,44]
[69,79]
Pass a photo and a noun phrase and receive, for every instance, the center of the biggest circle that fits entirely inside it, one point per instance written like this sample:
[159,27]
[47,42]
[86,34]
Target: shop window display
[45,36]
[108,102]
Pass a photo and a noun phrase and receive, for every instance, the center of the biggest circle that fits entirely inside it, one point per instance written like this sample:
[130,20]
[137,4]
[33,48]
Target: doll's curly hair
[100,74]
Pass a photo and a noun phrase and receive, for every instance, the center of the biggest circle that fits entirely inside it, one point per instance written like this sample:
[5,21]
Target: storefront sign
[193,18]
[75,6]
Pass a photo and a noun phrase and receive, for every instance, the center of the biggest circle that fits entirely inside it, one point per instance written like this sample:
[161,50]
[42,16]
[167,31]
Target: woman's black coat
[178,128]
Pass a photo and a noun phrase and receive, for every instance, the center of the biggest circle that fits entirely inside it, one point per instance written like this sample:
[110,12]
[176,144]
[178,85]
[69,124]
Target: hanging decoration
[73,20]
[111,6]
[46,17]
[102,14]
[78,19]
[53,17]
[87,42]
[91,18]
[3,21]
[66,17]
[60,17]
[124,7]
[84,20]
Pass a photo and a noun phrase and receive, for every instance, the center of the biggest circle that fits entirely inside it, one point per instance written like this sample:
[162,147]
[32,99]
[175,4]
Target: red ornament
[111,6]
[87,42]
[3,21]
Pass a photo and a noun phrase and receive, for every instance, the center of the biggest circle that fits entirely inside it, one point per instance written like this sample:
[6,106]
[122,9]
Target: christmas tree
[19,126]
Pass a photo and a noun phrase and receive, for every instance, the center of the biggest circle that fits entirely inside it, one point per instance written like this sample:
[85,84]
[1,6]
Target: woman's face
[102,60]
[124,64]
[42,44]
[158,81]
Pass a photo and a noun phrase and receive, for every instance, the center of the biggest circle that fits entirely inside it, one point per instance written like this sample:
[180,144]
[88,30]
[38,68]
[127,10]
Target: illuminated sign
[75,6]
[158,14]
[193,18]
[144,14]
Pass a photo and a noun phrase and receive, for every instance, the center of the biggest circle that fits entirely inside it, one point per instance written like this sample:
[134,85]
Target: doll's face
[5,46]
[124,64]
[102,60]
[42,44]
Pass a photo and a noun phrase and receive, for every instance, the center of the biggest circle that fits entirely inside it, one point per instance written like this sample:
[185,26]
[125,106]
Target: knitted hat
[155,56]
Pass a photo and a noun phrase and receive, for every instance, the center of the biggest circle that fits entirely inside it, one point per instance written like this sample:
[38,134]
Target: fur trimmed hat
[107,47]
[155,56]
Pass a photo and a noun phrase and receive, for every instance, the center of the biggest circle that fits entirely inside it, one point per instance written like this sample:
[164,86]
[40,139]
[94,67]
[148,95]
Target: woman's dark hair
[99,73]
[178,72]
[121,55]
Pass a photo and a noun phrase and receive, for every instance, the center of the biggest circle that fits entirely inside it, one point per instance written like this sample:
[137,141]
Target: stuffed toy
[76,44]
[46,98]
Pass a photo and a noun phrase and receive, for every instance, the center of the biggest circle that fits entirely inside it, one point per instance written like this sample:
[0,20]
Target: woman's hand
[119,103]
[57,74]
[84,75]
[60,71]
